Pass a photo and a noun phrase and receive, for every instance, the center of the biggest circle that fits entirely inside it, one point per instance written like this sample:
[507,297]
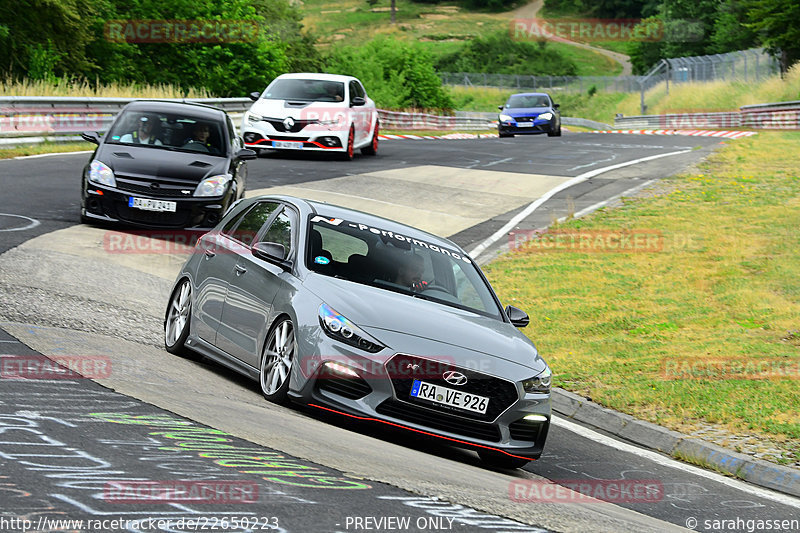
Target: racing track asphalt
[64,292]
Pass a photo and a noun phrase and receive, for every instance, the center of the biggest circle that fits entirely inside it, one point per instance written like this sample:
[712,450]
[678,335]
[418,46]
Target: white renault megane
[318,112]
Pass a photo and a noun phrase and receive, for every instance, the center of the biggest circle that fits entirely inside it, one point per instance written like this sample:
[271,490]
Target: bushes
[498,53]
[396,74]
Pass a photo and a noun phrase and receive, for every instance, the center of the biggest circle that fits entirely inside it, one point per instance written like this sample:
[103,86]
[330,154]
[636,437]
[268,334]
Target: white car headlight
[545,116]
[338,327]
[101,174]
[336,120]
[505,118]
[252,118]
[539,384]
[213,186]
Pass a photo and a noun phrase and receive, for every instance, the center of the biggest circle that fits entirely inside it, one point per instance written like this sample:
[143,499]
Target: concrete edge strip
[482,247]
[677,445]
[693,133]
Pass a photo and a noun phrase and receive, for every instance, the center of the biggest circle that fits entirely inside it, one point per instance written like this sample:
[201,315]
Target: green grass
[723,286]
[440,29]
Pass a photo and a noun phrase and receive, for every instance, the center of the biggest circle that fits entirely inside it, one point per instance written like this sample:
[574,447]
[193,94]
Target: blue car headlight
[101,174]
[546,116]
[506,118]
[338,327]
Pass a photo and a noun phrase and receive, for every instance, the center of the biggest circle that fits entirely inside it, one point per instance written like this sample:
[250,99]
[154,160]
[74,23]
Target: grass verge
[44,148]
[724,287]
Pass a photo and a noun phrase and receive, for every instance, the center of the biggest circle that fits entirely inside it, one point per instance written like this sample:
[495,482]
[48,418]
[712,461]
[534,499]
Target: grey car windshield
[308,90]
[396,262]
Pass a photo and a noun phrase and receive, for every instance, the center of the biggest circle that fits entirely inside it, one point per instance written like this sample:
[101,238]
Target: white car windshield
[396,262]
[305,90]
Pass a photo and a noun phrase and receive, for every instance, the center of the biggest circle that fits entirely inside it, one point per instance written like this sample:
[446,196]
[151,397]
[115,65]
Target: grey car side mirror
[272,252]
[518,317]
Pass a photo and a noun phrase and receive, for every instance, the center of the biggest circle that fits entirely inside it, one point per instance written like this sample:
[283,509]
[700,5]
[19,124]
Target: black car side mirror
[91,136]
[358,101]
[246,154]
[518,317]
[254,95]
[272,252]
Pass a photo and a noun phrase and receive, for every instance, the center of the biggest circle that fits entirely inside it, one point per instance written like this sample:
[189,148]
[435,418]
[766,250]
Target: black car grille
[526,430]
[297,126]
[349,387]
[287,138]
[437,420]
[178,219]
[525,119]
[404,369]
[156,188]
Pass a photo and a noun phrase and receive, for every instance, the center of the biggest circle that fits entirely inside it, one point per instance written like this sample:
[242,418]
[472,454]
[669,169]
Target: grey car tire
[277,361]
[176,322]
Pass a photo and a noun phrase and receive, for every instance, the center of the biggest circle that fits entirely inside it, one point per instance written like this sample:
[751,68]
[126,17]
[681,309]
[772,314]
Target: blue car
[529,113]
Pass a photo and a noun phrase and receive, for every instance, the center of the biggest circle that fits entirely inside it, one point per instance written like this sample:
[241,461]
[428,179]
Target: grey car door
[251,291]
[212,279]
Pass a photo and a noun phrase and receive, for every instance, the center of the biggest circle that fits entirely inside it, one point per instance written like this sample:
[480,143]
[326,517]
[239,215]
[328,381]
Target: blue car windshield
[396,262]
[528,100]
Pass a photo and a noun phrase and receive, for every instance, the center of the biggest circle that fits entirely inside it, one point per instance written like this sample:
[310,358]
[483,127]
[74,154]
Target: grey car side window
[281,229]
[247,229]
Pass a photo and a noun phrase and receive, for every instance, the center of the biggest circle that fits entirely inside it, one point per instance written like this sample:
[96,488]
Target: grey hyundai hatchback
[366,317]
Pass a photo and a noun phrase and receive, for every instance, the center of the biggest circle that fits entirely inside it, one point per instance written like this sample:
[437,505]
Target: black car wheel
[277,361]
[556,133]
[176,324]
[372,149]
[501,460]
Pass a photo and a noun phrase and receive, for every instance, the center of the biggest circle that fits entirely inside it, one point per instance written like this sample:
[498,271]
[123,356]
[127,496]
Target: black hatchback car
[164,164]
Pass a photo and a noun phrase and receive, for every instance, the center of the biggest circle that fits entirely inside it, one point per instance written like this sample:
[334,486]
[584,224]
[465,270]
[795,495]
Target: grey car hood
[378,311]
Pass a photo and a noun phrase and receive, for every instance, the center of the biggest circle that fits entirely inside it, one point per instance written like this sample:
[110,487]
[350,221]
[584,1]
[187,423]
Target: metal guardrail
[779,115]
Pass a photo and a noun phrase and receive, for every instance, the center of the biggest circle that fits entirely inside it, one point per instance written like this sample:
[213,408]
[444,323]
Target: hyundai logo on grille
[288,122]
[454,378]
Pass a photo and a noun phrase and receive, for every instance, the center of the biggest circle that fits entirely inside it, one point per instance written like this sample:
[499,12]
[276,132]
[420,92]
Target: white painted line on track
[664,460]
[499,234]
[31,224]
[46,155]
[594,207]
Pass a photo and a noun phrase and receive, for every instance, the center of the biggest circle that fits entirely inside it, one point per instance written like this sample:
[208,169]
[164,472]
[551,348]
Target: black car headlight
[338,327]
[101,174]
[539,384]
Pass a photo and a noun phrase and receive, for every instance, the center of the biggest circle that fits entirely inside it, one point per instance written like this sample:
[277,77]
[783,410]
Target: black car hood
[148,162]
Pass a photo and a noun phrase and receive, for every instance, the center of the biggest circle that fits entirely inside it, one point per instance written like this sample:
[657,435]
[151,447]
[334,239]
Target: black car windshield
[305,90]
[396,262]
[528,100]
[168,131]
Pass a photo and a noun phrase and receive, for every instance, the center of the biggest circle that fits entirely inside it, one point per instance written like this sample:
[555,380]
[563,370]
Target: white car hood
[312,110]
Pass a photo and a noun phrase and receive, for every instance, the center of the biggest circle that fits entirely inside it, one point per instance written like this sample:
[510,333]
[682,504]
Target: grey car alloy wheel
[277,361]
[176,325]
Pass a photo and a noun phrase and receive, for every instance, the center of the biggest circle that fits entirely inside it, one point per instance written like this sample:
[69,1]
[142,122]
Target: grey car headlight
[546,116]
[539,384]
[101,174]
[213,186]
[338,327]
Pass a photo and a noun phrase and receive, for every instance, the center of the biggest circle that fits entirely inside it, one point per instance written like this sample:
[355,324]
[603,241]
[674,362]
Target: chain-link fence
[746,66]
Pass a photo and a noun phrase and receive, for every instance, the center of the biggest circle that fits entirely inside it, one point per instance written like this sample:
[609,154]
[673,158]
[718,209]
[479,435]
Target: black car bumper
[112,205]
